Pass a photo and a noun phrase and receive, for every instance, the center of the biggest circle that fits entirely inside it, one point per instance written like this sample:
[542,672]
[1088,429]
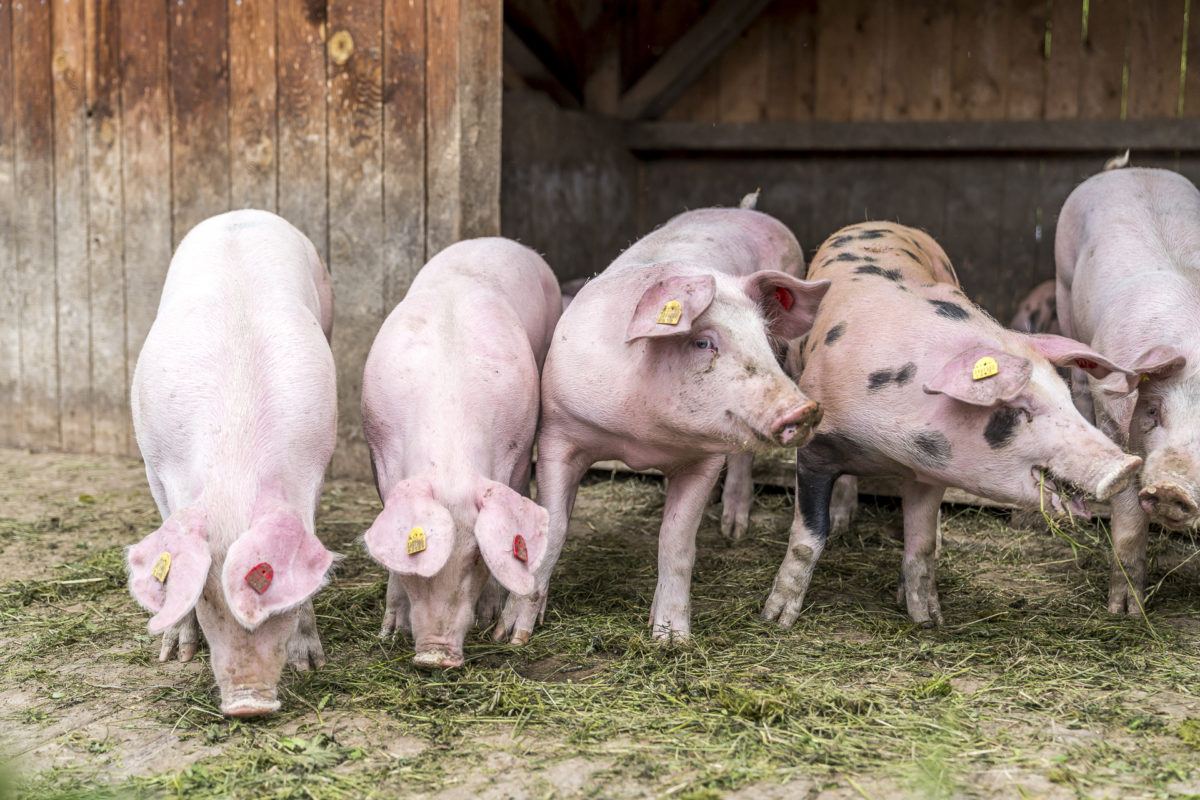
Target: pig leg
[559,470]
[487,608]
[844,503]
[183,636]
[918,582]
[304,646]
[1130,533]
[687,495]
[810,531]
[736,496]
[396,612]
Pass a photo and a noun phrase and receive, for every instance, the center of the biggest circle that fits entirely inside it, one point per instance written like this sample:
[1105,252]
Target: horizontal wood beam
[1060,136]
[686,60]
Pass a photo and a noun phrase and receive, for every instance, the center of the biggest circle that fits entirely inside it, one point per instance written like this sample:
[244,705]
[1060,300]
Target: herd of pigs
[702,343]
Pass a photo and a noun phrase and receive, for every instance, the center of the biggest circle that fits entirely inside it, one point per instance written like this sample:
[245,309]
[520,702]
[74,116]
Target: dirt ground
[1030,689]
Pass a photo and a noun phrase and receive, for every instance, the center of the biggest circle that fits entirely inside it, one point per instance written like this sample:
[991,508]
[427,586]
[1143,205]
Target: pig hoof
[1123,600]
[249,703]
[520,637]
[784,612]
[437,658]
[669,638]
[733,528]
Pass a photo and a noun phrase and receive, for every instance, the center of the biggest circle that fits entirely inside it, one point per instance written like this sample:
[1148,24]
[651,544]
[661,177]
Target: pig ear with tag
[511,531]
[982,376]
[789,303]
[670,306]
[274,566]
[1156,364]
[168,569]
[414,534]
[1063,352]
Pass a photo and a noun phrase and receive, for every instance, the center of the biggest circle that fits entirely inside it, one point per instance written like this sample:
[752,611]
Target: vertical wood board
[252,92]
[917,58]
[1103,63]
[10,324]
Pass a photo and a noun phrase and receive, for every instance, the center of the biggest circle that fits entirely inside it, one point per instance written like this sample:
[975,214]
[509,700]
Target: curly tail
[750,200]
[1117,162]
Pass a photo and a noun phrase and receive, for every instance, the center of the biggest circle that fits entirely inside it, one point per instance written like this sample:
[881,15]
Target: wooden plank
[33,117]
[110,405]
[850,60]
[252,92]
[1061,136]
[479,93]
[1016,269]
[301,118]
[791,59]
[1027,59]
[1064,64]
[355,210]
[699,102]
[68,31]
[1155,50]
[443,138]
[1058,177]
[145,167]
[403,147]
[198,39]
[917,57]
[10,323]
[979,71]
[743,71]
[664,82]
[1103,62]
[534,73]
[972,229]
[1191,80]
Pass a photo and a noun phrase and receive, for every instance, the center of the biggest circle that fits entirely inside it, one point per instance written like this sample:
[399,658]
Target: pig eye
[705,343]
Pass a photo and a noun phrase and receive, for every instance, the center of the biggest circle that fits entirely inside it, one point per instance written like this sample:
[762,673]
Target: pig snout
[794,427]
[438,656]
[1170,505]
[1118,478]
[249,701]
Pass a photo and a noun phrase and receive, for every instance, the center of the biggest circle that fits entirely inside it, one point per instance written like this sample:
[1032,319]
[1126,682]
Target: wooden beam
[535,73]
[1054,136]
[671,75]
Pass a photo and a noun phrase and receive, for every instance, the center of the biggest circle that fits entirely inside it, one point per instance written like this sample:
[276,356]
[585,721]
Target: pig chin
[1068,488]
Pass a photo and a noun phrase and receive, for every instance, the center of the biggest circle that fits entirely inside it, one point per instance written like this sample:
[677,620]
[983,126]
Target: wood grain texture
[1065,63]
[105,244]
[917,56]
[301,118]
[979,72]
[199,81]
[1191,81]
[743,72]
[252,91]
[850,60]
[33,117]
[1026,97]
[355,65]
[70,225]
[403,147]
[791,58]
[145,167]
[10,324]
[443,128]
[479,92]
[1103,62]
[1155,50]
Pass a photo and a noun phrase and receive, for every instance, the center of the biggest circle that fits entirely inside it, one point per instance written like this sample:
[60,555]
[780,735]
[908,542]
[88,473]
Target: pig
[917,382]
[450,407]
[1036,314]
[1128,259]
[235,412]
[665,360]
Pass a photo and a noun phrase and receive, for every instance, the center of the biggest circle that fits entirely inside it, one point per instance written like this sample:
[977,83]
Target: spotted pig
[917,382]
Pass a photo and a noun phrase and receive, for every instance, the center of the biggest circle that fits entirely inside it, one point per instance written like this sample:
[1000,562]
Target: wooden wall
[372,125]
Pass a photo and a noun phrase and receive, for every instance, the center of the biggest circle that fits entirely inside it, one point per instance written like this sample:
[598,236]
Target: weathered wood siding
[372,125]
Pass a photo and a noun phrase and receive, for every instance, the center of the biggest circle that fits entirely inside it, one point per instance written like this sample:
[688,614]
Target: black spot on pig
[881,378]
[846,257]
[1001,427]
[841,241]
[1035,317]
[826,452]
[911,255]
[813,493]
[872,233]
[950,310]
[930,449]
[871,269]
[835,333]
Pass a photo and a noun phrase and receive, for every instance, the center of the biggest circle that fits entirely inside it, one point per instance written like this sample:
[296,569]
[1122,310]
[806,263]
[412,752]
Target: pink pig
[450,408]
[917,382]
[1036,314]
[665,360]
[235,410]
[1128,253]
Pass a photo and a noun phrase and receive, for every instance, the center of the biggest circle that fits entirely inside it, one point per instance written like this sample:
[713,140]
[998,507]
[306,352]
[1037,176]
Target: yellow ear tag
[416,541]
[670,313]
[1145,378]
[985,367]
[161,567]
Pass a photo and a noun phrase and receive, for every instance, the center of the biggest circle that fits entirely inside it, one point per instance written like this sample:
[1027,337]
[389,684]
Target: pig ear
[414,534]
[789,303]
[168,569]
[670,306]
[1064,352]
[511,531]
[957,379]
[274,566]
[1156,364]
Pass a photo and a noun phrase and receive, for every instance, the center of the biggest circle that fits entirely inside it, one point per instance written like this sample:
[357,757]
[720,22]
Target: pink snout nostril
[1169,504]
[794,427]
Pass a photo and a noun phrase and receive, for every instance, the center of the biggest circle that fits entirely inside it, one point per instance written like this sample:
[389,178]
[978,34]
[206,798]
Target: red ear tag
[519,551]
[1083,363]
[260,576]
[784,297]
